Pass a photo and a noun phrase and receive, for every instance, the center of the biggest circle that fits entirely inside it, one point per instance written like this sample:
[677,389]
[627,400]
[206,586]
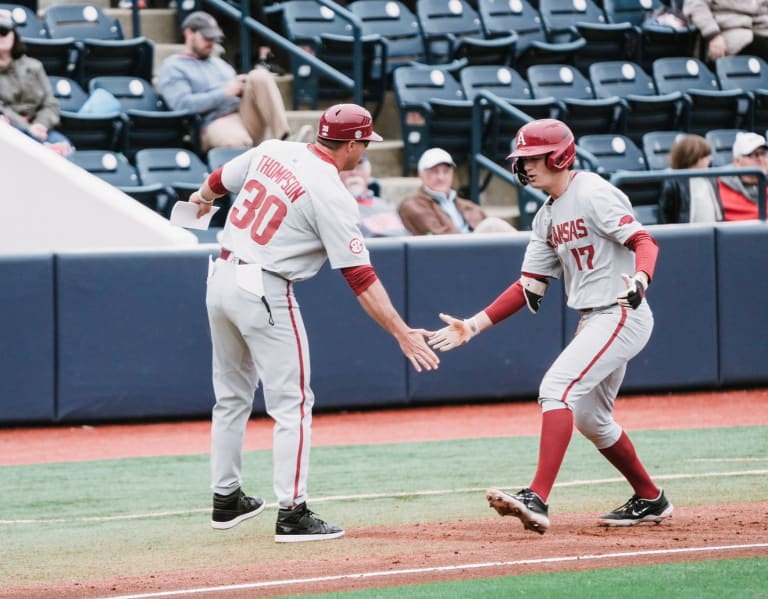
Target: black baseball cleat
[230,510]
[301,524]
[638,510]
[525,504]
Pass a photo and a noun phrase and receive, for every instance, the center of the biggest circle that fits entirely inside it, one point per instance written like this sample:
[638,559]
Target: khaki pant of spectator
[261,116]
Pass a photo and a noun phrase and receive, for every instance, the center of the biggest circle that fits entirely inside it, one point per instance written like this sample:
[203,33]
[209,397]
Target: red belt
[226,255]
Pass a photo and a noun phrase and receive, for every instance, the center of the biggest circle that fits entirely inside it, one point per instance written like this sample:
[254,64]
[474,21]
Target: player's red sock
[556,432]
[624,458]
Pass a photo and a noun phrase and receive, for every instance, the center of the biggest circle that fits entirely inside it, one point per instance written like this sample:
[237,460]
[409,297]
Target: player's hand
[203,206]
[417,351]
[458,332]
[635,293]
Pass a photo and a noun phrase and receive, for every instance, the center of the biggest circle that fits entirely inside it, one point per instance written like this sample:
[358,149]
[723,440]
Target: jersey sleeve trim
[215,182]
[360,278]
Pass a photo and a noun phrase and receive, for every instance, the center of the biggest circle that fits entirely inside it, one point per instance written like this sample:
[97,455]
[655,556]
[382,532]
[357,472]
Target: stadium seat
[646,110]
[708,107]
[397,24]
[68,92]
[656,146]
[584,112]
[749,73]
[81,21]
[616,153]
[25,20]
[112,167]
[179,170]
[60,57]
[148,123]
[721,141]
[433,111]
[452,29]
[132,56]
[501,17]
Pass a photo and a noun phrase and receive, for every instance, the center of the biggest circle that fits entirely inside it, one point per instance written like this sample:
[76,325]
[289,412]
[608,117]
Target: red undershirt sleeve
[510,300]
[360,278]
[646,250]
[215,183]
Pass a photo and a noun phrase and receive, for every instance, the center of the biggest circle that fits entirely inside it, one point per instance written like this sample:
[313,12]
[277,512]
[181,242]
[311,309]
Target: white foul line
[407,571]
[363,496]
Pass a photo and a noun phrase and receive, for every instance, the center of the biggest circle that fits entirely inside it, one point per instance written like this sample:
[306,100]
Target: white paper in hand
[184,214]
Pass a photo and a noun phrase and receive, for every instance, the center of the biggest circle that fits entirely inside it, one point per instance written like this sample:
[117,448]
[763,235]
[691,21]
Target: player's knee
[601,434]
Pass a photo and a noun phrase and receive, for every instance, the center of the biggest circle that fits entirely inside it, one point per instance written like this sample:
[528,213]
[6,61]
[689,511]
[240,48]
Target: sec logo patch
[356,245]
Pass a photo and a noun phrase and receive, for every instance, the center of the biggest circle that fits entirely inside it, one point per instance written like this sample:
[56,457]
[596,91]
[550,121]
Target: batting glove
[635,291]
[458,332]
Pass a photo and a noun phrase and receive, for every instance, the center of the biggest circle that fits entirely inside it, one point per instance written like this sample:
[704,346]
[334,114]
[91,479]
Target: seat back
[25,20]
[170,166]
[305,21]
[558,81]
[397,24]
[68,92]
[416,90]
[561,16]
[656,146]
[112,167]
[81,21]
[660,41]
[132,56]
[500,17]
[681,74]
[613,153]
[620,78]
[742,72]
[629,11]
[216,157]
[60,57]
[721,141]
[131,92]
[444,20]
[501,80]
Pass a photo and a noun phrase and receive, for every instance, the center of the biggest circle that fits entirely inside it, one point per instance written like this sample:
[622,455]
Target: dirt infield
[386,556]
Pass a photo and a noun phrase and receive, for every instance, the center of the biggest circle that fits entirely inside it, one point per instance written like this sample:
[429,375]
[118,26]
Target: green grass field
[99,519]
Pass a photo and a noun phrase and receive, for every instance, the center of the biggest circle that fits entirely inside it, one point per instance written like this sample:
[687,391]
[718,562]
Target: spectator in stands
[26,97]
[435,208]
[730,27]
[739,194]
[236,110]
[378,218]
[690,200]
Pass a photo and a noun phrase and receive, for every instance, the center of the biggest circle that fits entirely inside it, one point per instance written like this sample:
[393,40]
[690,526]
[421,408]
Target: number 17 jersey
[582,234]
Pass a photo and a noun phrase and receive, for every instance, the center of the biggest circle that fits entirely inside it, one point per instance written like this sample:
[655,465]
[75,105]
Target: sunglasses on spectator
[5,31]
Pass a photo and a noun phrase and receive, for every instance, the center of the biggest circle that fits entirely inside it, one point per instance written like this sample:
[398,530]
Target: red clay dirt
[445,551]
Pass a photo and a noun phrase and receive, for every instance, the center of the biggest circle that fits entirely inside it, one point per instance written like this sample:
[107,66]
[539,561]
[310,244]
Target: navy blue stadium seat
[25,20]
[60,57]
[748,73]
[656,146]
[81,21]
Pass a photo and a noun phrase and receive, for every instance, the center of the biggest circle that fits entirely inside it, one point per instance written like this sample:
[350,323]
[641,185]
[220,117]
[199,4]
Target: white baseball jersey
[292,211]
[582,234]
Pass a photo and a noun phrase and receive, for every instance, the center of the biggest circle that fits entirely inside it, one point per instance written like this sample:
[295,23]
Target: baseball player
[292,212]
[587,232]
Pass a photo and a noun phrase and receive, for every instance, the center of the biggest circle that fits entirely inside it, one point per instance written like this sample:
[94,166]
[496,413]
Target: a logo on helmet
[520,138]
[358,134]
[324,130]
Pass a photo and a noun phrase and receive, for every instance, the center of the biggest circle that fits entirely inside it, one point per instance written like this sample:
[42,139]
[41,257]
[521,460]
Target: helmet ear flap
[518,167]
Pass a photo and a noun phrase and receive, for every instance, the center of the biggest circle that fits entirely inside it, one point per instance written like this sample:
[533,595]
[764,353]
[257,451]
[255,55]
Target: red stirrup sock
[556,432]
[624,458]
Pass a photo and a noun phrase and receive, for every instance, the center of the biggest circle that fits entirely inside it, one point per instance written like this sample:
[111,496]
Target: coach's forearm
[376,303]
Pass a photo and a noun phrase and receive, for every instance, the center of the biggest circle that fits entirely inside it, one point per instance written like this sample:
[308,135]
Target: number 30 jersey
[292,212]
[582,234]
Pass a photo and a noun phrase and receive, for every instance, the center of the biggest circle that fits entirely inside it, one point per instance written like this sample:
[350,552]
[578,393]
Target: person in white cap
[436,209]
[236,110]
[738,194]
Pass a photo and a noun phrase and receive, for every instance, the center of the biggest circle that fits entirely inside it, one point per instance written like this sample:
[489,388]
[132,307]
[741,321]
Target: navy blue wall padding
[355,363]
[742,262]
[682,351]
[133,338]
[461,275]
[27,338]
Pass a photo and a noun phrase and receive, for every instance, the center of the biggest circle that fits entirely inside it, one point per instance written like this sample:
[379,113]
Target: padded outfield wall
[123,335]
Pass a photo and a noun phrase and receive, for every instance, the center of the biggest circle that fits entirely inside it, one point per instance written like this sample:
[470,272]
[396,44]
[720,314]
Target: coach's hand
[204,205]
[414,348]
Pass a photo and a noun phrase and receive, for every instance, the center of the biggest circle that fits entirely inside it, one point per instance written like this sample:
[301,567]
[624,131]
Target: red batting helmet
[543,137]
[347,122]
